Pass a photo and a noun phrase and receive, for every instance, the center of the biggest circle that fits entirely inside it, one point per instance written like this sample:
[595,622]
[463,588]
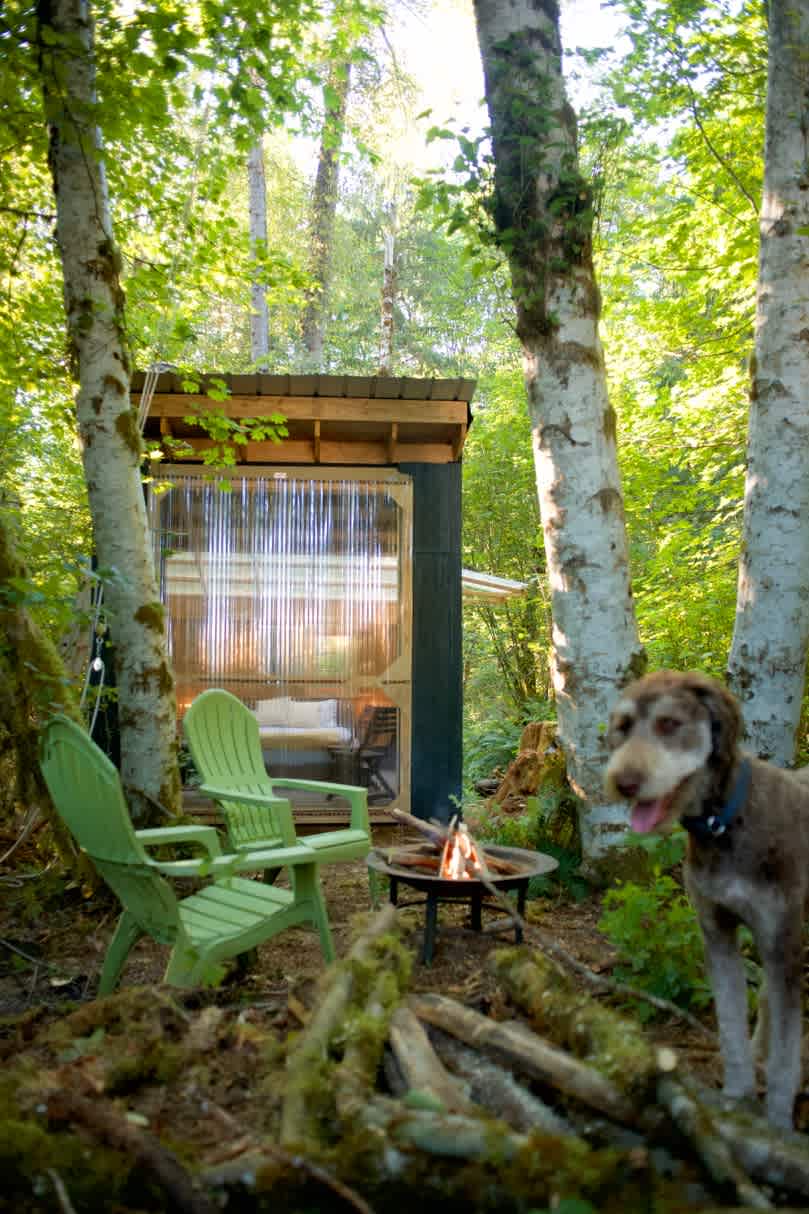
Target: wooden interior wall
[437,720]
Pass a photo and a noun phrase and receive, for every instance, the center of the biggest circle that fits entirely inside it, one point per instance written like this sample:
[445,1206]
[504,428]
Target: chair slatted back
[378,727]
[86,790]
[224,741]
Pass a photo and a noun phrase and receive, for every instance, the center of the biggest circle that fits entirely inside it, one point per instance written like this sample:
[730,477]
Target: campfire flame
[460,860]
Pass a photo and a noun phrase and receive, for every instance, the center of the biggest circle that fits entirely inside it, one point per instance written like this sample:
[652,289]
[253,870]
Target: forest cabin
[323,588]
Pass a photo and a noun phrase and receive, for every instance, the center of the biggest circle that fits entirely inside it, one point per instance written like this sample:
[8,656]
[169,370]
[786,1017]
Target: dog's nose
[628,783]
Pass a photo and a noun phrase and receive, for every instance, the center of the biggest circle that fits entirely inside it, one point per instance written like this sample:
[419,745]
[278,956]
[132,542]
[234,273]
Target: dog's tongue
[646,815]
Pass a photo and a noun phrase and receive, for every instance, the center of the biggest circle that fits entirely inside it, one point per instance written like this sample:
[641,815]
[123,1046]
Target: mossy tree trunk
[33,685]
[542,211]
[94,307]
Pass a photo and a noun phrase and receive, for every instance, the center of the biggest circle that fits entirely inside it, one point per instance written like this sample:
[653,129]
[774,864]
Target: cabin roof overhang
[331,419]
[486,588]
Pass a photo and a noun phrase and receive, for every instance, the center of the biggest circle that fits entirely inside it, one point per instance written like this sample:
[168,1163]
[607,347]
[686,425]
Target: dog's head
[673,739]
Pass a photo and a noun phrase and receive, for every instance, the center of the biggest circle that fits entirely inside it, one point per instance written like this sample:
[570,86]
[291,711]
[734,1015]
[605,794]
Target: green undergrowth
[547,824]
[654,928]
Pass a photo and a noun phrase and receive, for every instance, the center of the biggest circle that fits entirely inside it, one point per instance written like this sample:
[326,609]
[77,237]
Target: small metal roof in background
[485,587]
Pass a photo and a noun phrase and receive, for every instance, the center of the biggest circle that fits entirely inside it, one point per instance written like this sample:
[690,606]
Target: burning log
[460,855]
[435,833]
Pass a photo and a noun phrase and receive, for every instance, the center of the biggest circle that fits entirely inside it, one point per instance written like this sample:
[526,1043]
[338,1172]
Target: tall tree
[324,209]
[94,308]
[542,212]
[257,215]
[767,661]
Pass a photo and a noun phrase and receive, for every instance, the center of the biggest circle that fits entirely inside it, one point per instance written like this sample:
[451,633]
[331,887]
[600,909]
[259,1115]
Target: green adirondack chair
[223,738]
[229,916]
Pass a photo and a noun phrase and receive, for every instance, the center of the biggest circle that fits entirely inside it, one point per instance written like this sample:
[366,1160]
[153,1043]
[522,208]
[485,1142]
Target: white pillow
[328,714]
[304,714]
[273,712]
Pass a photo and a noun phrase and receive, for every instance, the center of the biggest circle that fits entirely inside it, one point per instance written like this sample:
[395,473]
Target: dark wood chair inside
[377,731]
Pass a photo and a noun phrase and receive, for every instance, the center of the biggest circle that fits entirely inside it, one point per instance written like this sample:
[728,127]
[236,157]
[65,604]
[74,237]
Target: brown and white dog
[675,757]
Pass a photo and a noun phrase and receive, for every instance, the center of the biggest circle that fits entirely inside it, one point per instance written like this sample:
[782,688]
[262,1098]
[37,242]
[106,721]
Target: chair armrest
[236,794]
[274,857]
[243,862]
[356,796]
[206,836]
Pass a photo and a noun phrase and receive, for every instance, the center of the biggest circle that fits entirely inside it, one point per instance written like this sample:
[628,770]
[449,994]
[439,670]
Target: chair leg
[187,968]
[126,936]
[306,884]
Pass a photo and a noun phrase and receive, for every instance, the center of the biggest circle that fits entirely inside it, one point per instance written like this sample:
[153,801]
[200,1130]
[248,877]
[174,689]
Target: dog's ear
[725,715]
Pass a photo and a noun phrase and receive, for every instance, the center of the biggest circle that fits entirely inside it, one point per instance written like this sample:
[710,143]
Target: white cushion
[328,713]
[304,714]
[273,712]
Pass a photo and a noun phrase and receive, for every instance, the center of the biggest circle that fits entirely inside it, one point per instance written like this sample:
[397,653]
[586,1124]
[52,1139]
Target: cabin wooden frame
[410,431]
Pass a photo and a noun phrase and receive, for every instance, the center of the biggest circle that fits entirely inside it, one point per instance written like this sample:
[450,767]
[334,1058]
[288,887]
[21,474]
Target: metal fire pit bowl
[444,889]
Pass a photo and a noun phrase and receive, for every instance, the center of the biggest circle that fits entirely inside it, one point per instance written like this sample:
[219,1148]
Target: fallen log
[420,1065]
[767,1155]
[695,1123]
[522,777]
[496,1090]
[602,983]
[308,1058]
[355,1075]
[572,1020]
[521,1048]
[103,1120]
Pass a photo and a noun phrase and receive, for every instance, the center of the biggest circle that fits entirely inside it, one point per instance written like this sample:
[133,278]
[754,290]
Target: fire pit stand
[442,889]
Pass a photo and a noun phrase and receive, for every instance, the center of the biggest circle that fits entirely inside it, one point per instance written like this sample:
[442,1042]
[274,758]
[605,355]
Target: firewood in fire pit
[440,837]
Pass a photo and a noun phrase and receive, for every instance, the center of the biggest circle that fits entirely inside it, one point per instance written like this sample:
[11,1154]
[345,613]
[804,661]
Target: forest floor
[200,1069]
[50,957]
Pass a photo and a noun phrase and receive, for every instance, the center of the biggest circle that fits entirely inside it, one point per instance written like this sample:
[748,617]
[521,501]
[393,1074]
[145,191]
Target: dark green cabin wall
[437,711]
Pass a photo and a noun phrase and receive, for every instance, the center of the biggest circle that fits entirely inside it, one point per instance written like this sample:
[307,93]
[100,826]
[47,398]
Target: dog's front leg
[729,985]
[781,955]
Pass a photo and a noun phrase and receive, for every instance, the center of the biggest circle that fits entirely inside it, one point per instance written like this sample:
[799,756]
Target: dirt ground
[201,1069]
[53,957]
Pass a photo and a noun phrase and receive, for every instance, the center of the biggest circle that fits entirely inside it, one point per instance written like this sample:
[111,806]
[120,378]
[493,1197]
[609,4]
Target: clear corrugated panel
[287,591]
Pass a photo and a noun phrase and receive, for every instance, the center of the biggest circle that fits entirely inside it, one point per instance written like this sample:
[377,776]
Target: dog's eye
[622,725]
[666,726]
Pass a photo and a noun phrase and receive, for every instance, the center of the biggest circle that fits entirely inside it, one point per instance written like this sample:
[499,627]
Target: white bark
[542,213]
[767,663]
[107,423]
[259,312]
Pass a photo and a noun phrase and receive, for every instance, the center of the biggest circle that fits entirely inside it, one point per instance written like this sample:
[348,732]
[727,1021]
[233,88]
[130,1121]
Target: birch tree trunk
[259,312]
[543,216]
[324,209]
[111,445]
[767,663]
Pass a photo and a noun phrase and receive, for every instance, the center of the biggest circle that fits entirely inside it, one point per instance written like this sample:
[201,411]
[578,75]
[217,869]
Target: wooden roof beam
[303,408]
